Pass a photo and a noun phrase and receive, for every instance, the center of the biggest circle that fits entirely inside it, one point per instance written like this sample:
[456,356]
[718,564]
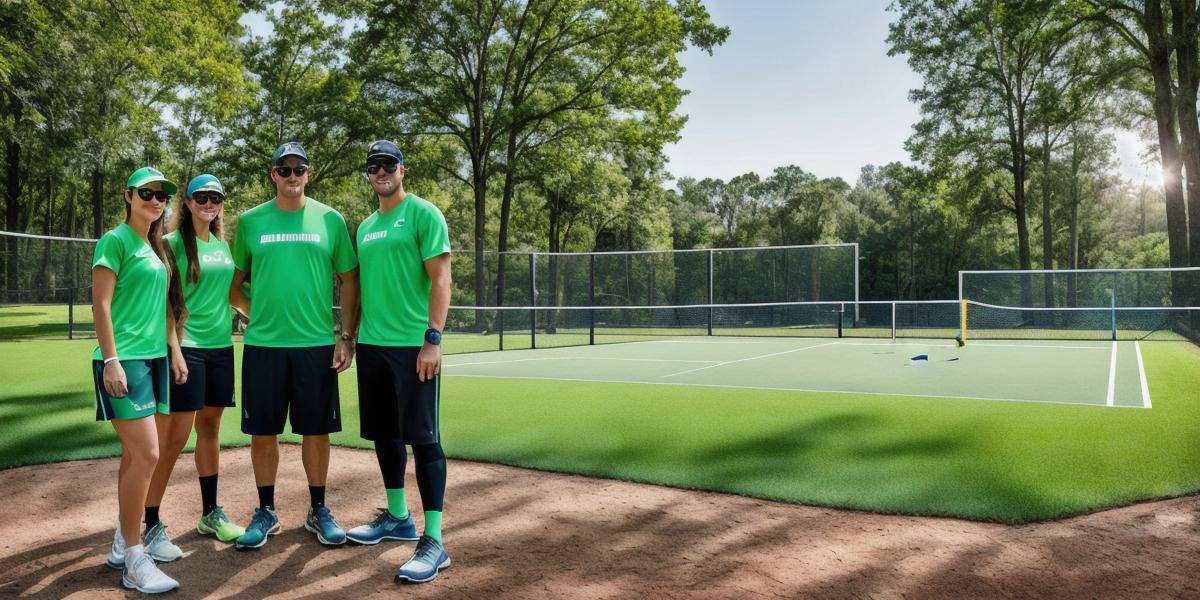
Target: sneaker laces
[159,532]
[218,514]
[323,515]
[383,517]
[261,519]
[426,553]
[144,569]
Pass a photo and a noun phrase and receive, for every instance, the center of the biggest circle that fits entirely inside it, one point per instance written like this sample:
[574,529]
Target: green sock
[396,503]
[433,524]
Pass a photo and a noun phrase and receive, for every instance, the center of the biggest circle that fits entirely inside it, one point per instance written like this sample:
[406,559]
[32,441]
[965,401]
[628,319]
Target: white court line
[541,358]
[1055,347]
[733,341]
[1112,375]
[730,362]
[779,389]
[1137,346]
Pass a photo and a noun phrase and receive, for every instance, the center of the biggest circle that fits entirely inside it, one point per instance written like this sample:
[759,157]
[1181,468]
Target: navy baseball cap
[288,149]
[384,149]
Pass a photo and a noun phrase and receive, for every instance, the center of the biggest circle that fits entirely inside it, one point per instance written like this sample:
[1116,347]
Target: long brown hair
[181,221]
[163,252]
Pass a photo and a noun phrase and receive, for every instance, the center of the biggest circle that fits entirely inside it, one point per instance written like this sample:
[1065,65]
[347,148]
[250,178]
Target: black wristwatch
[433,336]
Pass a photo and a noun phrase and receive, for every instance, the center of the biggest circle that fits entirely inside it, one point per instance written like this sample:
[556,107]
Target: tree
[494,74]
[982,65]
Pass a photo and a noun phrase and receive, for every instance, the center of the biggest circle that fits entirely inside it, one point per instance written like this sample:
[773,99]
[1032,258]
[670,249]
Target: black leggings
[430,469]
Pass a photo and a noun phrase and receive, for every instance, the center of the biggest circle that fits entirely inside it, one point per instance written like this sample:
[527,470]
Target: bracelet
[108,360]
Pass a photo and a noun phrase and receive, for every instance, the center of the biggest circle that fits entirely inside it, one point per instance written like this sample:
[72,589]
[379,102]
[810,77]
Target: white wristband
[108,360]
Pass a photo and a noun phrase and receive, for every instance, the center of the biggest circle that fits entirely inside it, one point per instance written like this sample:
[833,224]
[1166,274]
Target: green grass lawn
[1010,462]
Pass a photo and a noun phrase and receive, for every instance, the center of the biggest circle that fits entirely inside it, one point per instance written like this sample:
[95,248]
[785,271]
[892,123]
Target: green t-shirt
[291,257]
[392,250]
[139,301]
[208,324]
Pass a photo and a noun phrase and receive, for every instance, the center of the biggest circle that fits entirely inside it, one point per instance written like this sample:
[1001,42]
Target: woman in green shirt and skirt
[130,279]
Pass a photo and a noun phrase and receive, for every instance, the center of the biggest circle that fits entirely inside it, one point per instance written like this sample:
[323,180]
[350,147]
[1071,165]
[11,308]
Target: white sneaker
[116,554]
[159,546]
[144,576]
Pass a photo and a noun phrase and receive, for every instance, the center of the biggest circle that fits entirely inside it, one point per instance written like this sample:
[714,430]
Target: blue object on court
[920,357]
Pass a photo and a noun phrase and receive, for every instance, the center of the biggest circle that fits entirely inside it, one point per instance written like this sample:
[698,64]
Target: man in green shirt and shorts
[404,254]
[290,248]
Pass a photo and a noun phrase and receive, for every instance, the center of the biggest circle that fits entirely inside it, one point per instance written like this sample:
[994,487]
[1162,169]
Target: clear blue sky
[807,82]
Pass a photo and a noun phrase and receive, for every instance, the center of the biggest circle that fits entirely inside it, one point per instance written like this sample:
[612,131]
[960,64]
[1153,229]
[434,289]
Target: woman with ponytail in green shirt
[201,357]
[130,280]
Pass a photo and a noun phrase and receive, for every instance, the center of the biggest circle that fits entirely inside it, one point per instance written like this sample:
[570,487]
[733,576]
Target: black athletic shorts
[392,403]
[275,380]
[209,382]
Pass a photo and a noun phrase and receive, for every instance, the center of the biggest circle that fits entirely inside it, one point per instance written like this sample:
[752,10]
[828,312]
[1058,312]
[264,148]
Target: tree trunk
[1168,143]
[12,198]
[47,282]
[1047,224]
[479,188]
[505,212]
[1183,16]
[1073,259]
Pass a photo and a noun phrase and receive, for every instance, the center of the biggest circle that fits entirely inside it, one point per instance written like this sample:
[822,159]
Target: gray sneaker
[159,546]
[385,527]
[426,562]
[116,553]
[320,521]
[144,576]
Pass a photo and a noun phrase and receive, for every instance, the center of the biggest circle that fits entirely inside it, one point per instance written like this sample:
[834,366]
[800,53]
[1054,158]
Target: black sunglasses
[148,194]
[287,171]
[205,198]
[387,165]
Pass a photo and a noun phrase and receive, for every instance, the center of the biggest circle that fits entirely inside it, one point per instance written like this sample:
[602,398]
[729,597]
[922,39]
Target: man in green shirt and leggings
[290,248]
[404,253]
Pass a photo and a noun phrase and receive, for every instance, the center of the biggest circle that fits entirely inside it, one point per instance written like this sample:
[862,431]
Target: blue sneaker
[425,563]
[262,524]
[320,521]
[384,527]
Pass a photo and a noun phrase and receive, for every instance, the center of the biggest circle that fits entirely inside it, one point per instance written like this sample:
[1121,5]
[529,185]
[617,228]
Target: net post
[841,311]
[962,324]
[500,326]
[71,313]
[533,300]
[1113,303]
[856,299]
[592,299]
[710,291]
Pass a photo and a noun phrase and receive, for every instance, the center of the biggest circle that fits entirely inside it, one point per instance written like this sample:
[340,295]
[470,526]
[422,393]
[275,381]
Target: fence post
[592,299]
[533,300]
[710,291]
[1113,302]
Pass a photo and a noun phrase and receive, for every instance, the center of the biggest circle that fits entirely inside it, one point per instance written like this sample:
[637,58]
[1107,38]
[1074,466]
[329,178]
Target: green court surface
[1009,432]
[1091,373]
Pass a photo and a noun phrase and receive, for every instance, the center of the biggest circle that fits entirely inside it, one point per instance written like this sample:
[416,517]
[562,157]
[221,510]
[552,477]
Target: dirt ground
[515,533]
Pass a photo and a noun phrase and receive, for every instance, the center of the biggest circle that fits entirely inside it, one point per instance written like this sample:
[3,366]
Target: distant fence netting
[46,286]
[646,278]
[1100,304]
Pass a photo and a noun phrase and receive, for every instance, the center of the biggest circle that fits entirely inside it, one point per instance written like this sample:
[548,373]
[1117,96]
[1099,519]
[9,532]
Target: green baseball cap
[146,175]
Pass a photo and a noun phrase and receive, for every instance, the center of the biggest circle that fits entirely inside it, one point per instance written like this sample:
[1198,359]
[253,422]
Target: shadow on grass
[52,428]
[848,460]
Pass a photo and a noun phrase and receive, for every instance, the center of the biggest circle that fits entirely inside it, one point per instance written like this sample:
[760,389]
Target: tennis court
[1104,374]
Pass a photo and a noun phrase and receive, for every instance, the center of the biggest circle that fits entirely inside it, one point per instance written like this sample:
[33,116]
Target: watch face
[433,336]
